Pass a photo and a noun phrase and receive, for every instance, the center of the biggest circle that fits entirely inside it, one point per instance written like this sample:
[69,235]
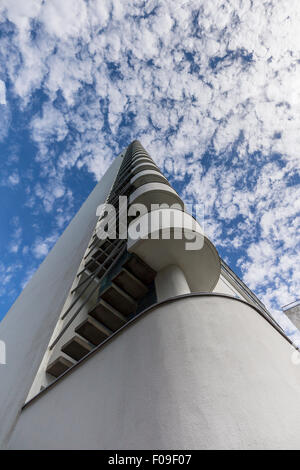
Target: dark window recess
[148,300]
[129,287]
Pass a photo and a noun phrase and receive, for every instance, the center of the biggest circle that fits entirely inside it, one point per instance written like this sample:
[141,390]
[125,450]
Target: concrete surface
[199,372]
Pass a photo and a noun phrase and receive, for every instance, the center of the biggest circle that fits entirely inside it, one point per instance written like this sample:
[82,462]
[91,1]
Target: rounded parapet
[143,166]
[138,153]
[172,237]
[148,176]
[140,159]
[155,193]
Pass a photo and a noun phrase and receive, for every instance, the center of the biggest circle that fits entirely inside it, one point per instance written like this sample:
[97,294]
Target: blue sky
[210,88]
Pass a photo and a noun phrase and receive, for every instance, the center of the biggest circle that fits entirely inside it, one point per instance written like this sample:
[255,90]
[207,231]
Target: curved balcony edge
[143,166]
[148,176]
[155,193]
[140,159]
[169,236]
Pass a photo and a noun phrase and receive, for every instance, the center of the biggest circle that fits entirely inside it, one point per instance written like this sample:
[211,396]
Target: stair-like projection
[124,282]
[127,291]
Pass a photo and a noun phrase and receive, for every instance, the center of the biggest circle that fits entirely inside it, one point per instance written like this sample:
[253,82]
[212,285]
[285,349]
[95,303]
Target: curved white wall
[196,373]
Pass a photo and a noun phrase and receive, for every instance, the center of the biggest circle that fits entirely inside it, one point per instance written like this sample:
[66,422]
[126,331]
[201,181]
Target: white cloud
[63,19]
[41,247]
[51,126]
[14,179]
[7,273]
[10,180]
[51,192]
[16,240]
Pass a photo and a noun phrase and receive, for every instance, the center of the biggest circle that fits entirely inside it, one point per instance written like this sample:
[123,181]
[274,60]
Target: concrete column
[169,282]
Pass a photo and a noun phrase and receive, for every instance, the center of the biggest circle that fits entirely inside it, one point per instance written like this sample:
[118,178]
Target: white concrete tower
[145,339]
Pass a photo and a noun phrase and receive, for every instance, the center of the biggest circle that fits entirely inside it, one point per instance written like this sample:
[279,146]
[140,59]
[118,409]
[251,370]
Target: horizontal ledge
[146,311]
[155,193]
[139,158]
[163,218]
[142,166]
[147,176]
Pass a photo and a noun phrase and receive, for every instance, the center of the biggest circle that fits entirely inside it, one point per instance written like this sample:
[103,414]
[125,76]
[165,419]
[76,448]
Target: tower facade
[292,311]
[134,334]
